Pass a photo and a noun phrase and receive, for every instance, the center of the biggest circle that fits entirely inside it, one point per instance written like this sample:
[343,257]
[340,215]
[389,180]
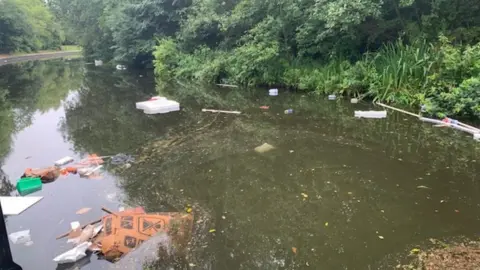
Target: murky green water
[322,199]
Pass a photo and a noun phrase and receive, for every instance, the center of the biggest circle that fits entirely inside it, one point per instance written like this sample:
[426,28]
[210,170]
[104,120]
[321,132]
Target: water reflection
[360,176]
[29,87]
[99,118]
[6,187]
[321,199]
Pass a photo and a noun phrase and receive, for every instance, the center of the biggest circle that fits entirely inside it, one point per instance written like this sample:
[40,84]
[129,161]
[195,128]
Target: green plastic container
[27,186]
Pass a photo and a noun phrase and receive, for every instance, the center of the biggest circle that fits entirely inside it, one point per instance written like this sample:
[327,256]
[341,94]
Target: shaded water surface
[335,193]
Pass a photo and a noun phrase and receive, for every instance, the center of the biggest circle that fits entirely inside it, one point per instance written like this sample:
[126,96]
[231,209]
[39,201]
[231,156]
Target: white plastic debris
[371,114]
[63,161]
[162,106]
[354,100]
[16,205]
[264,148]
[221,111]
[121,67]
[98,63]
[273,92]
[73,254]
[84,236]
[94,170]
[97,229]
[332,97]
[21,237]
[75,225]
[83,171]
[142,105]
[158,105]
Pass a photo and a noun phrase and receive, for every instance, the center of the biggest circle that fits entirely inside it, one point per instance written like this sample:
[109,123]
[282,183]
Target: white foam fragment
[371,114]
[161,106]
[21,237]
[73,254]
[141,105]
[16,205]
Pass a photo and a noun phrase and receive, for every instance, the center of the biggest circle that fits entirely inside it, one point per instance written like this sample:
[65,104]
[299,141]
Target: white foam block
[164,106]
[142,105]
[15,205]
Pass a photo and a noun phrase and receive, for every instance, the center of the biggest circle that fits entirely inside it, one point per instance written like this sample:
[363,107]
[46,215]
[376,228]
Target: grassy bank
[64,48]
[442,76]
[71,48]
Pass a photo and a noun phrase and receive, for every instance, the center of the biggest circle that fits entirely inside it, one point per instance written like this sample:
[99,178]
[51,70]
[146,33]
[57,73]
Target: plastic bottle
[289,111]
[273,92]
[423,108]
[63,161]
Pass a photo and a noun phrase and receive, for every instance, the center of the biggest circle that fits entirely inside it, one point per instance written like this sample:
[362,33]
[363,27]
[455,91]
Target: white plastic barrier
[273,92]
[371,114]
[142,105]
[162,106]
[158,105]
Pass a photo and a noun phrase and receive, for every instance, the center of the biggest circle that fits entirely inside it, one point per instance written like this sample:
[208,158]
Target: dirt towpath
[10,59]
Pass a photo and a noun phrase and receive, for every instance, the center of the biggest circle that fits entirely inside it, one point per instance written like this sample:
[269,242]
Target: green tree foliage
[121,30]
[385,49]
[389,50]
[28,25]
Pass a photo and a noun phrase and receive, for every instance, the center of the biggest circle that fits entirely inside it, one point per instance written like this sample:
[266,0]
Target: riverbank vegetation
[28,26]
[408,52]
[405,52]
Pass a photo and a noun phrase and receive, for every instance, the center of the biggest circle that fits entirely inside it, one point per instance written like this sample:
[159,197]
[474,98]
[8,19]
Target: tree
[14,29]
[27,25]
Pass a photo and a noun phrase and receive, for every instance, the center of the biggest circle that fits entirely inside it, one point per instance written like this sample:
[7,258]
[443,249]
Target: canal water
[335,192]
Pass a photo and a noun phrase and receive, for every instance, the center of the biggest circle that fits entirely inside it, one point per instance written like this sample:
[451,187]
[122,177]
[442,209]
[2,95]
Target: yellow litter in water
[415,251]
[264,148]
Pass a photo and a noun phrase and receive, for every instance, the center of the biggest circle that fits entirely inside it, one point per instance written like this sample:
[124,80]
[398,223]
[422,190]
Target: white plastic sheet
[21,237]
[16,205]
[73,254]
[371,114]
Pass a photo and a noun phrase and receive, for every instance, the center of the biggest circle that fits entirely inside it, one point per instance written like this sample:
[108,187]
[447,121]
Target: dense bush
[383,50]
[444,77]
[28,25]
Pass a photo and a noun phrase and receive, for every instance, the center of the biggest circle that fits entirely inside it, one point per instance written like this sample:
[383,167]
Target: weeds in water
[403,71]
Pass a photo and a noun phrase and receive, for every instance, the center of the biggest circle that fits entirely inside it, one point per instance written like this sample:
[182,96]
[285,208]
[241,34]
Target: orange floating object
[47,175]
[92,159]
[124,231]
[68,170]
[95,158]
